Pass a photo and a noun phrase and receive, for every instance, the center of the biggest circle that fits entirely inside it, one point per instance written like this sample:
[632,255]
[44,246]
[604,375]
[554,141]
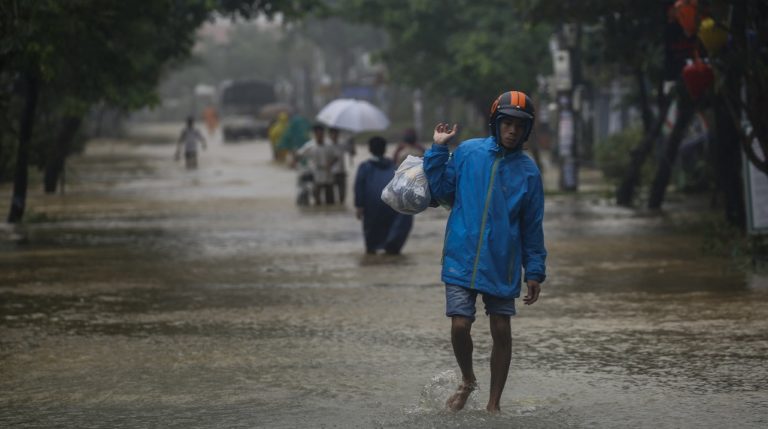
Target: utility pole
[563,46]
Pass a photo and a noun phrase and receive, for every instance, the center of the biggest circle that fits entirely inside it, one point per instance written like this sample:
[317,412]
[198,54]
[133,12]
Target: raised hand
[444,133]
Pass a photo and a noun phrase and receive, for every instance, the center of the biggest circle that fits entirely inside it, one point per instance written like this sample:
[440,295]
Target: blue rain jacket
[497,207]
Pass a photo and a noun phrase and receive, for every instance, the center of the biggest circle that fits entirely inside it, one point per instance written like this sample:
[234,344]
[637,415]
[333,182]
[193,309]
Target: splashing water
[440,387]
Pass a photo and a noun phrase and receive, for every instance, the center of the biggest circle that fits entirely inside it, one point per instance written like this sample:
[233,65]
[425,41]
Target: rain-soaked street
[149,296]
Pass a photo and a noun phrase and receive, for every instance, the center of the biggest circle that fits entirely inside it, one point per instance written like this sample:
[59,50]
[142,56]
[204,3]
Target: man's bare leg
[500,358]
[461,339]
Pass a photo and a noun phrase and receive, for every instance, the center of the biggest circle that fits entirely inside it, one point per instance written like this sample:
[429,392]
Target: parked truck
[240,102]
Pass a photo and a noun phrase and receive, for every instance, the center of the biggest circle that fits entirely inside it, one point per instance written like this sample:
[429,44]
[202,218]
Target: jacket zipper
[485,218]
[445,242]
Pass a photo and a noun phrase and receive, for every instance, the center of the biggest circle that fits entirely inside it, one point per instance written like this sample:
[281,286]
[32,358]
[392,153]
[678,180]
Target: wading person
[190,137]
[383,227]
[320,158]
[494,232]
[339,168]
[275,133]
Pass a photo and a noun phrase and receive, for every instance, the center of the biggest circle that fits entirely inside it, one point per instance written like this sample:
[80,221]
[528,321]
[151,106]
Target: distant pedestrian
[319,157]
[211,119]
[339,169]
[189,139]
[275,133]
[383,227]
[493,233]
[409,146]
[295,136]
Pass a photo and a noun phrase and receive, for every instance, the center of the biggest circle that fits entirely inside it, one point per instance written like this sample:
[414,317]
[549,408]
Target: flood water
[150,296]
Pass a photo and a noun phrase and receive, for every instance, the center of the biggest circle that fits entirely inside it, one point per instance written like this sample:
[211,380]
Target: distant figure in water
[319,157]
[339,168]
[190,137]
[211,119]
[383,227]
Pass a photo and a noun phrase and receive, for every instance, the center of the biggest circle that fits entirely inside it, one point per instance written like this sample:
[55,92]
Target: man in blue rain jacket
[494,232]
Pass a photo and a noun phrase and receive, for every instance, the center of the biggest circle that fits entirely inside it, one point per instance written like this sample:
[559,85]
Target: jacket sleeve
[439,167]
[360,186]
[532,232]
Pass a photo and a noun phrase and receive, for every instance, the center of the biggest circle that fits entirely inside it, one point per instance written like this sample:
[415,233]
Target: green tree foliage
[611,154]
[75,54]
[472,50]
[341,42]
[623,39]
[744,61]
[112,50]
[629,42]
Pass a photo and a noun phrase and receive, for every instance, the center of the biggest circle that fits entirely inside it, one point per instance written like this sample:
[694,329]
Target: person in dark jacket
[494,232]
[383,227]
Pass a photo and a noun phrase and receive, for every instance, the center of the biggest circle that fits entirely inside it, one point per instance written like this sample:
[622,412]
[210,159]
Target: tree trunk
[728,135]
[19,199]
[625,193]
[685,112]
[59,152]
[728,166]
[747,67]
[645,107]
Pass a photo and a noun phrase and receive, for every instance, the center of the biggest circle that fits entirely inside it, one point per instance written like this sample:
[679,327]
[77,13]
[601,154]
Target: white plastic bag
[408,191]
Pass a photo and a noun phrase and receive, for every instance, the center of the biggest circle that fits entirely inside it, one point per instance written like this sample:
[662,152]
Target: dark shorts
[460,301]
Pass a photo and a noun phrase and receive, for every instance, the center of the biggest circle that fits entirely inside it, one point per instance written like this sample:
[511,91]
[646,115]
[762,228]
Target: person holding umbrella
[353,115]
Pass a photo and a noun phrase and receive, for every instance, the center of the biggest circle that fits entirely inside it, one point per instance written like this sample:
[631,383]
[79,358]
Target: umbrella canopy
[353,115]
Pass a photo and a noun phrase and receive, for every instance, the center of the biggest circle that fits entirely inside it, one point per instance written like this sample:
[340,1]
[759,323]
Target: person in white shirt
[190,137]
[319,158]
[339,168]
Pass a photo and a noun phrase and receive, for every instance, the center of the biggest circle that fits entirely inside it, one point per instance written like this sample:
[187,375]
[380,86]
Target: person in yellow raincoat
[275,133]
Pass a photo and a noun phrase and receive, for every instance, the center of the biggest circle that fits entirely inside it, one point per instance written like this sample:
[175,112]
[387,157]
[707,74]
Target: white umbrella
[353,115]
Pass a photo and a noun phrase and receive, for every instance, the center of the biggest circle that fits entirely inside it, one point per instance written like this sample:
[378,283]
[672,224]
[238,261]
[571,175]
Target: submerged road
[150,296]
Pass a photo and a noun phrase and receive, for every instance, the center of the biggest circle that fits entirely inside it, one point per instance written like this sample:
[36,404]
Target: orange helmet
[515,104]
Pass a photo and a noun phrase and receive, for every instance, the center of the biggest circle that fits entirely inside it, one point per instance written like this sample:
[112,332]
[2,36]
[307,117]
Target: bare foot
[493,409]
[459,399]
